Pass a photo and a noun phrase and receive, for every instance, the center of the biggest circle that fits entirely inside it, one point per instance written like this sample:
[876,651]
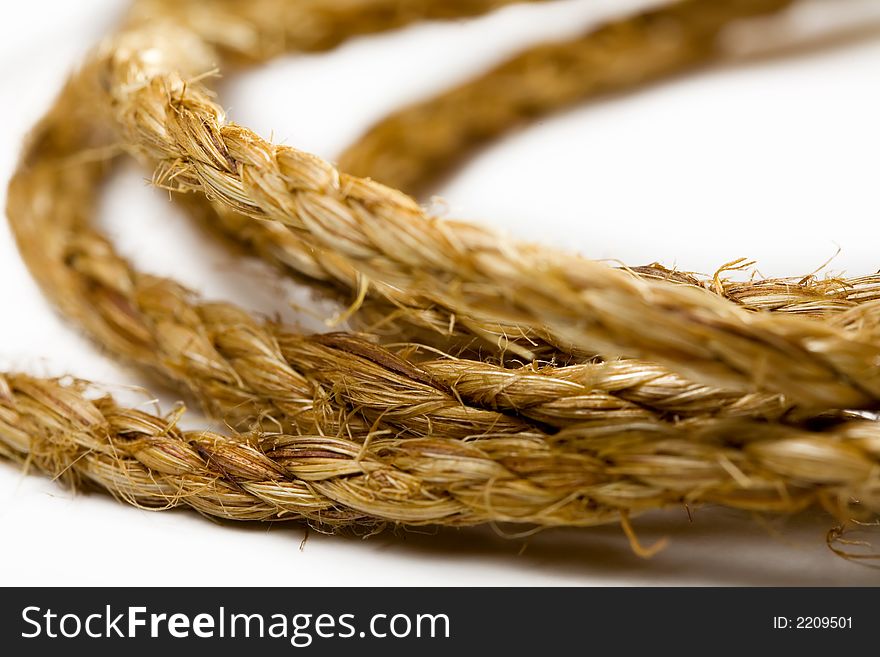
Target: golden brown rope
[417,143]
[407,447]
[165,116]
[399,316]
[243,369]
[237,376]
[231,361]
[601,474]
[613,56]
[256,30]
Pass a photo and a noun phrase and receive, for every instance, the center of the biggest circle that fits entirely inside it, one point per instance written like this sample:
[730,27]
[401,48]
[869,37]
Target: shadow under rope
[713,546]
[717,547]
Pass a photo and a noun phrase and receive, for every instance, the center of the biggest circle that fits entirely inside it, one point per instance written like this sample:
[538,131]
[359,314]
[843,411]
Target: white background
[771,156]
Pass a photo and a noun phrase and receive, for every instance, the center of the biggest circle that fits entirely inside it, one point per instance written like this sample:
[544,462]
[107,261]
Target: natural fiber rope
[243,369]
[465,268]
[257,30]
[235,365]
[415,144]
[603,473]
[400,317]
[616,56]
[598,47]
[232,362]
[523,475]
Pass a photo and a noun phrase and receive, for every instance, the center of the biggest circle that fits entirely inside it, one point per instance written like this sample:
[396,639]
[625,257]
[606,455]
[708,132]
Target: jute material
[542,79]
[414,145]
[584,476]
[462,267]
[242,368]
[248,31]
[614,56]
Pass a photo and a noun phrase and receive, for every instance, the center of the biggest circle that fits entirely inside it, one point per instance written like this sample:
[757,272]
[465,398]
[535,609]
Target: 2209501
[823,622]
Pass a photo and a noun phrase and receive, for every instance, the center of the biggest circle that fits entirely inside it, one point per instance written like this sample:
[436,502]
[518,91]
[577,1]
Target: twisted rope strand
[612,56]
[229,360]
[401,317]
[560,396]
[384,309]
[417,143]
[385,439]
[603,472]
[241,369]
[257,30]
[506,85]
[432,324]
[244,370]
[463,267]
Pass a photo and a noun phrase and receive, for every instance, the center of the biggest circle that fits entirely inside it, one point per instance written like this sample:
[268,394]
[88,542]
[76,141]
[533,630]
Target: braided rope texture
[419,142]
[495,102]
[388,238]
[361,435]
[578,62]
[236,365]
[584,476]
[244,369]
